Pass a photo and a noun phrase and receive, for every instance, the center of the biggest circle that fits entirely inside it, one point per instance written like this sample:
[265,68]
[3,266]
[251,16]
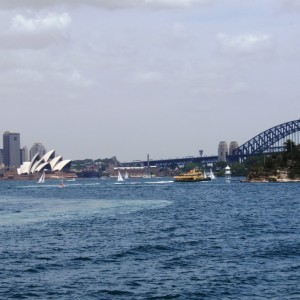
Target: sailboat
[126,175]
[120,178]
[211,174]
[42,178]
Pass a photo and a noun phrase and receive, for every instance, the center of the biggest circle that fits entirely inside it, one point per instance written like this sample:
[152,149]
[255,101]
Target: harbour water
[149,239]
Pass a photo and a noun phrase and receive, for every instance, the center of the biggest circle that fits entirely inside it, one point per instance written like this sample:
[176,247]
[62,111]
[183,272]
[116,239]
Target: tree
[290,146]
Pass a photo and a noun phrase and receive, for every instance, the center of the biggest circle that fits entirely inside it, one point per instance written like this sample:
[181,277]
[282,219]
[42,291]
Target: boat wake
[54,185]
[160,182]
[144,182]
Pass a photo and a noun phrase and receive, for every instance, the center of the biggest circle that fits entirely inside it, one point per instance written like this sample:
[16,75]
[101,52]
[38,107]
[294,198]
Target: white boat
[212,175]
[120,178]
[147,176]
[42,178]
[126,176]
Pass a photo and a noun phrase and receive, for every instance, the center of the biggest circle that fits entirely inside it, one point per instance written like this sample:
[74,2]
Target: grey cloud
[32,41]
[107,4]
[36,32]
[290,5]
[50,21]
[245,43]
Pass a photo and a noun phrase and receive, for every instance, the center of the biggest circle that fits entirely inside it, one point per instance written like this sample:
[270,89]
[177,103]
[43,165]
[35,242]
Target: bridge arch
[269,140]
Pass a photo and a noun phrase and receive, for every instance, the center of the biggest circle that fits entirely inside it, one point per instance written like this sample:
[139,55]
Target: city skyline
[100,78]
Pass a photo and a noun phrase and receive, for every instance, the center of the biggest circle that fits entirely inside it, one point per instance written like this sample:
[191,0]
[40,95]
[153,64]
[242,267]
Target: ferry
[193,175]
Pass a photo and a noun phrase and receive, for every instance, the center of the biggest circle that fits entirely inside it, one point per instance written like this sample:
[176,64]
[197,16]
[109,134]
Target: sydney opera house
[48,162]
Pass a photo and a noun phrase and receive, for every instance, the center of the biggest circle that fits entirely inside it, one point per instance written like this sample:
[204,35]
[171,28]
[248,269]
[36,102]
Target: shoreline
[270,181]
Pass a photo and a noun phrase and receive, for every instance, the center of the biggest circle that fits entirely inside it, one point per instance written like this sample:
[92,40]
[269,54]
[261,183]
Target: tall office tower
[24,154]
[233,145]
[11,149]
[222,151]
[1,156]
[37,148]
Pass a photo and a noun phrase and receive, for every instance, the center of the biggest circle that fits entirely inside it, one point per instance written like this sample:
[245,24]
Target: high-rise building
[222,151]
[1,156]
[37,148]
[11,149]
[24,154]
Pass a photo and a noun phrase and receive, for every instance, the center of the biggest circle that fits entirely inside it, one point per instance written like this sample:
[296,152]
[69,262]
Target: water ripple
[153,239]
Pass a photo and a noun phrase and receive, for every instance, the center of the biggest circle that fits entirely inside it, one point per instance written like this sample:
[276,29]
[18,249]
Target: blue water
[149,239]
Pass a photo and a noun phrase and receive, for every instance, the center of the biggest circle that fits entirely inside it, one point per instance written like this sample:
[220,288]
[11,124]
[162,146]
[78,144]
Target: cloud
[245,44]
[175,3]
[290,5]
[36,32]
[48,22]
[108,4]
[149,76]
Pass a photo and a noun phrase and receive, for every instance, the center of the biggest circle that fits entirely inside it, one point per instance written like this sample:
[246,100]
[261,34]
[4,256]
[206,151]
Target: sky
[127,78]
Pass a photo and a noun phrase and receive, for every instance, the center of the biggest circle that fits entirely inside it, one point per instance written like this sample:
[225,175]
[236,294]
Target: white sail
[126,175]
[120,178]
[42,178]
[212,175]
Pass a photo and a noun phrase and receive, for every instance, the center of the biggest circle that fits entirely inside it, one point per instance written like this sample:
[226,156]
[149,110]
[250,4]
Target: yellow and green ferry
[193,175]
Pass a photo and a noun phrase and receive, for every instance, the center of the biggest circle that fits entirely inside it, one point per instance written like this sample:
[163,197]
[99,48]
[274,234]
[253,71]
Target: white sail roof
[48,161]
[55,161]
[43,166]
[24,168]
[62,165]
[32,162]
[48,156]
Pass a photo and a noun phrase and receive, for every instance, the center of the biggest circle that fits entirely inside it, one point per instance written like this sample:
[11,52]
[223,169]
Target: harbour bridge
[267,142]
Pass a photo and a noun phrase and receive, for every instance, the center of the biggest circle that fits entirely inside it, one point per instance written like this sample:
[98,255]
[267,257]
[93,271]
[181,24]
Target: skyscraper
[24,154]
[37,148]
[1,156]
[11,150]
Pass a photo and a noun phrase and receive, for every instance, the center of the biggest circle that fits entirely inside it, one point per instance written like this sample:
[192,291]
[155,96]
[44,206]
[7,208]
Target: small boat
[120,178]
[126,175]
[42,178]
[211,174]
[193,175]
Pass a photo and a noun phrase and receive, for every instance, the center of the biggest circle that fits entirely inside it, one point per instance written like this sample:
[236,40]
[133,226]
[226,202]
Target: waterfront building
[222,151]
[11,150]
[48,162]
[136,172]
[37,148]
